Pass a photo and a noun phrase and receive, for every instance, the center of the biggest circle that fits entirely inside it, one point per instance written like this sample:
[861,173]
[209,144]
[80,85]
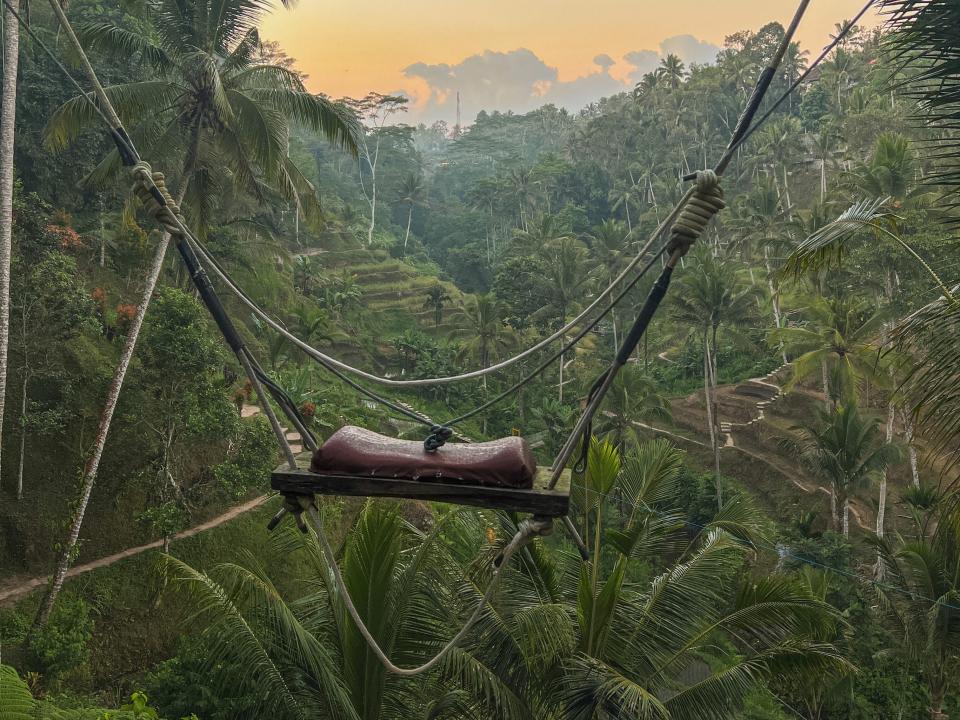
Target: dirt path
[25,587]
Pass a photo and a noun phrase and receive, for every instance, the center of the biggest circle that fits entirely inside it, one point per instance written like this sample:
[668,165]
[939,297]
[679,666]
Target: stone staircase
[764,390]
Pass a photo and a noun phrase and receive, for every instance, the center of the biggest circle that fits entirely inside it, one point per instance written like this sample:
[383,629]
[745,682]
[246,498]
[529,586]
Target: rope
[706,202]
[528,529]
[151,188]
[332,362]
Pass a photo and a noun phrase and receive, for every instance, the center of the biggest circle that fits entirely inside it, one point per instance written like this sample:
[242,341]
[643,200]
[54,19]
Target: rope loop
[439,434]
[707,201]
[151,188]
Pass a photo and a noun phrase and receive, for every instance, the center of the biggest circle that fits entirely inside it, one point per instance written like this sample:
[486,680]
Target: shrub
[61,646]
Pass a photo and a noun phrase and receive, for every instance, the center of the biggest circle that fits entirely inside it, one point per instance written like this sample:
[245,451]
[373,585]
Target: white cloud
[520,81]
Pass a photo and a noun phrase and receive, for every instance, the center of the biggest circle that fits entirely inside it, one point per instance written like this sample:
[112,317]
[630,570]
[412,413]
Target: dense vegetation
[801,565]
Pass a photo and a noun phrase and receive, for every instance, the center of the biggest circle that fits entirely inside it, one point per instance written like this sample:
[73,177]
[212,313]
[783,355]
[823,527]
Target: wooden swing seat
[501,474]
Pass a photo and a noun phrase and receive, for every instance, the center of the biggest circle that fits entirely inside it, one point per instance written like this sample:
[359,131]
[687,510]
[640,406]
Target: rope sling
[686,221]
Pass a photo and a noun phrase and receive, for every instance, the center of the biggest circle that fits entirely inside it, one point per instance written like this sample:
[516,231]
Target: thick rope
[706,202]
[148,186]
[527,530]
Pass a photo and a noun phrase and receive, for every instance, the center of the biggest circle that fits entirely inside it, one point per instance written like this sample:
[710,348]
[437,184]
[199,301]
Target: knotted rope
[706,201]
[151,187]
[439,434]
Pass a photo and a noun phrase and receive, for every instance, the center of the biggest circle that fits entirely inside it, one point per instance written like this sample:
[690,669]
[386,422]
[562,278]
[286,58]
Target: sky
[516,54]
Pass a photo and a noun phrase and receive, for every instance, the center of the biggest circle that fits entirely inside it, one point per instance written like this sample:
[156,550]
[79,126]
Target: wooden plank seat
[355,462]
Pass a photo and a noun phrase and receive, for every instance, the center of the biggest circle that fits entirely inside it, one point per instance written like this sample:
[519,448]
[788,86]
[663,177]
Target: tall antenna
[456,128]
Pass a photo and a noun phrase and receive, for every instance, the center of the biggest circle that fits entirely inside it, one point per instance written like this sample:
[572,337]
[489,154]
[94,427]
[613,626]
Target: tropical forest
[324,404]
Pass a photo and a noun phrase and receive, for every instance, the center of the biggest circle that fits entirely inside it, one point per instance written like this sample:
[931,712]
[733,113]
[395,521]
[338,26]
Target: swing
[500,474]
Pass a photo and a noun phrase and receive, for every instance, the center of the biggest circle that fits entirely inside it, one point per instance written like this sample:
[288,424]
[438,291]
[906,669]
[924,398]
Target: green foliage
[62,645]
[251,459]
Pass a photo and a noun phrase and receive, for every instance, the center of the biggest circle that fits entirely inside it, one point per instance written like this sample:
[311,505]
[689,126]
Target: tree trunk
[113,395]
[710,424]
[911,448]
[23,432]
[834,512]
[882,501]
[8,110]
[406,235]
[825,376]
[846,517]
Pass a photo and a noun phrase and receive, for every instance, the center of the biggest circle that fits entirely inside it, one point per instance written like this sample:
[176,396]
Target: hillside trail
[766,392]
[24,587]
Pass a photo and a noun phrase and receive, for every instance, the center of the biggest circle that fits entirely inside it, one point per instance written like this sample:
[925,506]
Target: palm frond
[827,246]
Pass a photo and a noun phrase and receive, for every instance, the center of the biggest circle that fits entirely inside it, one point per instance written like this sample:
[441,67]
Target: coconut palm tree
[838,338]
[608,243]
[216,112]
[561,639]
[632,399]
[216,109]
[890,172]
[673,69]
[412,192]
[303,657]
[8,111]
[710,298]
[921,596]
[845,449]
[484,333]
[437,297]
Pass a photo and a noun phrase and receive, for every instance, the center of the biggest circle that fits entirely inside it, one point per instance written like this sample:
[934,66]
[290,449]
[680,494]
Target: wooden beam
[537,501]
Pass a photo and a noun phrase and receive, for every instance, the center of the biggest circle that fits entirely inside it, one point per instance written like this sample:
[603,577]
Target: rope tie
[439,434]
[150,187]
[707,201]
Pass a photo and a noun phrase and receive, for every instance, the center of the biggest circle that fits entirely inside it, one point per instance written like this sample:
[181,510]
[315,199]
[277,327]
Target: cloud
[519,80]
[689,49]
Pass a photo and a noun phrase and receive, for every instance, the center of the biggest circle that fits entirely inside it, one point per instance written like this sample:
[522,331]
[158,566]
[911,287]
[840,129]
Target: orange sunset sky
[516,54]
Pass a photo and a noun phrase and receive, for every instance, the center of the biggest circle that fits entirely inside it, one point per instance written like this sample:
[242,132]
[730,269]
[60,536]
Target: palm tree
[412,191]
[536,236]
[304,657]
[484,333]
[223,114]
[711,297]
[839,339]
[567,277]
[437,297]
[8,110]
[781,141]
[215,102]
[921,596]
[824,146]
[608,242]
[890,171]
[623,196]
[673,70]
[561,640]
[632,399]
[844,449]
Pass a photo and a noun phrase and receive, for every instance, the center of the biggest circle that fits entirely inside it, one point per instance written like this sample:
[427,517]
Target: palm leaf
[827,246]
[16,702]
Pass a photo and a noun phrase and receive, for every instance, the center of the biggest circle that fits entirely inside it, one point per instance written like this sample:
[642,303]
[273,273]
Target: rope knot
[707,201]
[439,434]
[151,189]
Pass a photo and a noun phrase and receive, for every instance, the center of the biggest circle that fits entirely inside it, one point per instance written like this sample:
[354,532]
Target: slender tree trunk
[113,395]
[103,239]
[911,448]
[23,431]
[846,517]
[406,235]
[825,376]
[834,512]
[823,179]
[710,424]
[882,500]
[8,111]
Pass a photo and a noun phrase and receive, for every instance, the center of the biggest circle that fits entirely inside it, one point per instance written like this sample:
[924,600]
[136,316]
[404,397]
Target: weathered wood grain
[538,501]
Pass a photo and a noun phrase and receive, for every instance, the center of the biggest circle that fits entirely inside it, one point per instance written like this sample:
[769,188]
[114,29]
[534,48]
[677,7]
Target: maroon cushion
[354,451]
